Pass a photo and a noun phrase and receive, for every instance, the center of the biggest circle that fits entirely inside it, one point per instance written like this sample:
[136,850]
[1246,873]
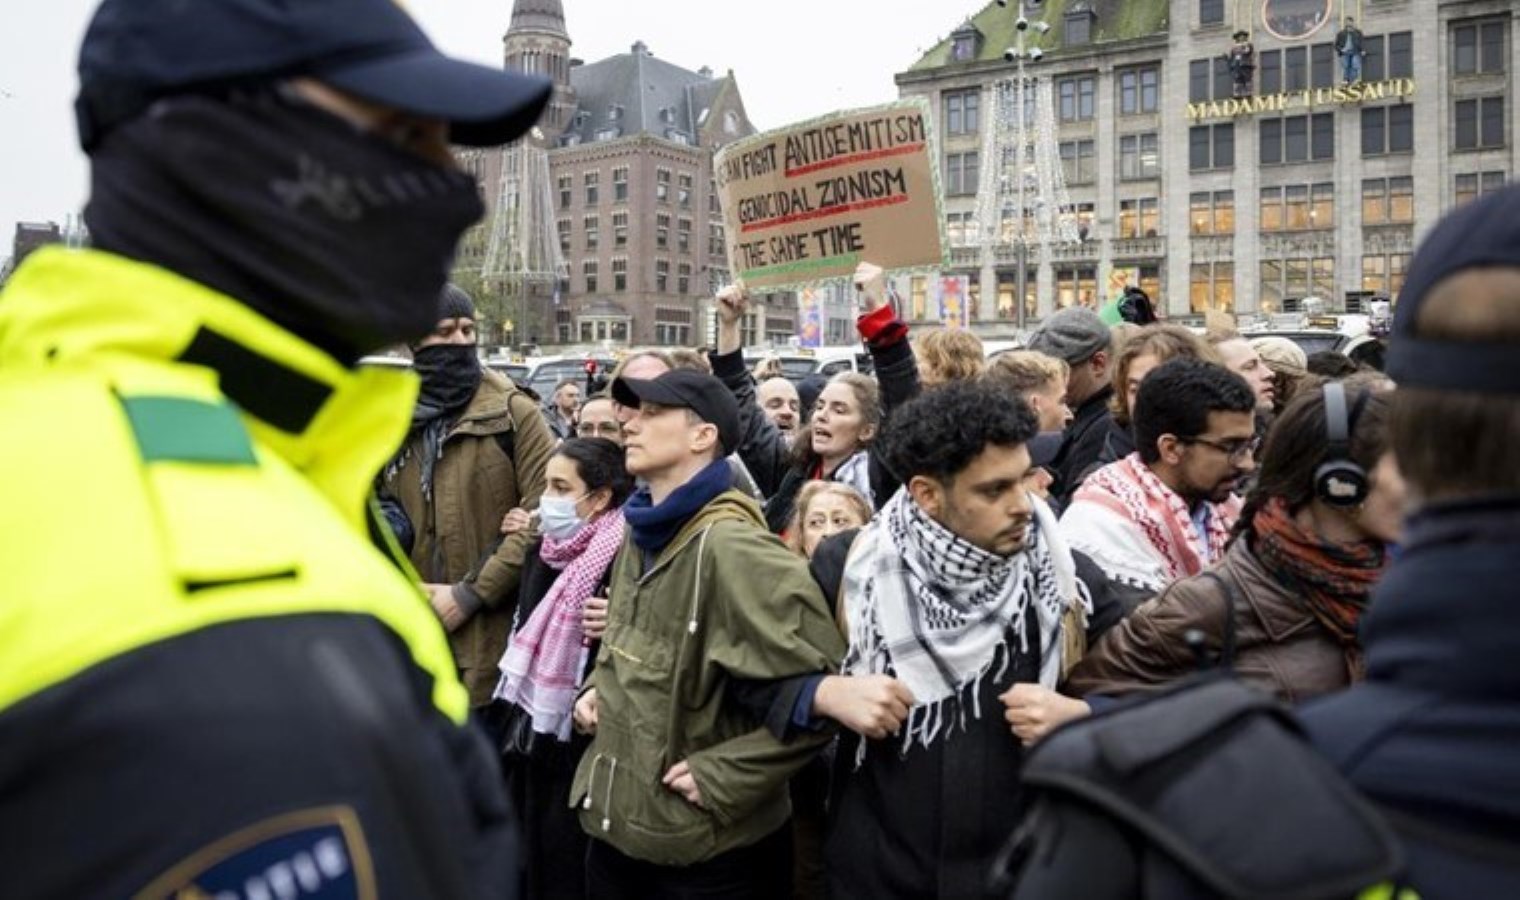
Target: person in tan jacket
[477,448]
[1311,544]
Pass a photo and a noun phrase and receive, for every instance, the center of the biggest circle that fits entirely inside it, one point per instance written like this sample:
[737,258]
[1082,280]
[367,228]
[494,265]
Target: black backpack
[1207,789]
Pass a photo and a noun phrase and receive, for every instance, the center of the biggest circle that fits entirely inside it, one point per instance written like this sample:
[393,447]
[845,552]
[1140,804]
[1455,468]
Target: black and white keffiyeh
[935,611]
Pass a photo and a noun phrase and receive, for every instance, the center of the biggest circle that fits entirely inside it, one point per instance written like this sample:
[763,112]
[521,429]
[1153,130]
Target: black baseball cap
[699,392]
[137,51]
[1484,233]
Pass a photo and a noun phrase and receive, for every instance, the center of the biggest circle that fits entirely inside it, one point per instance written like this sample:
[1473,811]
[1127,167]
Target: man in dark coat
[1349,44]
[1431,734]
[1080,337]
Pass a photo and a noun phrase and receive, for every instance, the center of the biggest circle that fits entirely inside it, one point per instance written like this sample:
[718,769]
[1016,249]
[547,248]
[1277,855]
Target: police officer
[212,684]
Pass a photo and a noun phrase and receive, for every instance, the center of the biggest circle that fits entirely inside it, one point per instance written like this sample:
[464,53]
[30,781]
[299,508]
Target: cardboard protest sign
[806,203]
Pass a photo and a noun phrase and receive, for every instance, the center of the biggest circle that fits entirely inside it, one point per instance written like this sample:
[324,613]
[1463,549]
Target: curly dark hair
[599,463]
[939,433]
[1177,397]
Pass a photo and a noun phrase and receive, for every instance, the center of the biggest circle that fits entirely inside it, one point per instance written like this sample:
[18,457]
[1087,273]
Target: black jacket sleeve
[897,377]
[761,446]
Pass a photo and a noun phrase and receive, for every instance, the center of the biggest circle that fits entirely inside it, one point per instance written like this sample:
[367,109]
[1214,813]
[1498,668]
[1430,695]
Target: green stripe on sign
[805,265]
[177,429]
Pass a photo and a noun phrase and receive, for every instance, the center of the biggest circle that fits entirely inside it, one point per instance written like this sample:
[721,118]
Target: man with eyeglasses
[1165,511]
[599,419]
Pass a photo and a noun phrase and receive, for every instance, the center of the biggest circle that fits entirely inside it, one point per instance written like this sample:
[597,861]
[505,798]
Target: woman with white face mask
[561,609]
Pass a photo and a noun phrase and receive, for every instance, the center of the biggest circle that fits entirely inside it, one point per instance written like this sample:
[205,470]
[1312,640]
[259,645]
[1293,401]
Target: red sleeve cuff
[881,328]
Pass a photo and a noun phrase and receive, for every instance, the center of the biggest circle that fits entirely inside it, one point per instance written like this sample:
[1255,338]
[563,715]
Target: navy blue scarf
[655,526]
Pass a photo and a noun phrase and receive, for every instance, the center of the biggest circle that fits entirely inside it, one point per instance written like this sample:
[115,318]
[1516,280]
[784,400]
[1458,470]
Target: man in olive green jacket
[477,448]
[683,788]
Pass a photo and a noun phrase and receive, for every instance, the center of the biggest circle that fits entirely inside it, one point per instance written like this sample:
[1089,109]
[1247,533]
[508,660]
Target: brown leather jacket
[1279,645]
[458,535]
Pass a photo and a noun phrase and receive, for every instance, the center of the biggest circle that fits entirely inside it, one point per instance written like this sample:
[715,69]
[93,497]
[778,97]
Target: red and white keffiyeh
[1128,493]
[541,670]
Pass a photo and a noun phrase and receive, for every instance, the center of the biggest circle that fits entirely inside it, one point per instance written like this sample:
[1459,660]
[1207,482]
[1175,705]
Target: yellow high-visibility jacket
[207,667]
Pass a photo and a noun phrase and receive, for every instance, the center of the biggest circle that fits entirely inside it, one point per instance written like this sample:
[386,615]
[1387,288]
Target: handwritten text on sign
[808,203]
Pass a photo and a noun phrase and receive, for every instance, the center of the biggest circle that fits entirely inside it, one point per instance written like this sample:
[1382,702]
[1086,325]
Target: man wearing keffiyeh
[963,593]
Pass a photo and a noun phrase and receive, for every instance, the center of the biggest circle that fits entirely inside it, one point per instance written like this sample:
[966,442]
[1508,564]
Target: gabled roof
[1117,20]
[636,93]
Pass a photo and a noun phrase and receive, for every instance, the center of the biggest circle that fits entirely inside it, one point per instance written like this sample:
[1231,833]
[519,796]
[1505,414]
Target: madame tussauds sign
[1361,92]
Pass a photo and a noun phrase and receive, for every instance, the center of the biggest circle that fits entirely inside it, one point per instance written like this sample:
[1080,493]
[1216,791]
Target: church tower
[537,42]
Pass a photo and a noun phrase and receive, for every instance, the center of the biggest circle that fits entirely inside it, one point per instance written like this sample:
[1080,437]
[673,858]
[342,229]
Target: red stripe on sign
[820,213]
[855,158]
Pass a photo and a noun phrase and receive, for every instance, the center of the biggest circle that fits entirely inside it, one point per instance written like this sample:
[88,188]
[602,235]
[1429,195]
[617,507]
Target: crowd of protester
[691,630]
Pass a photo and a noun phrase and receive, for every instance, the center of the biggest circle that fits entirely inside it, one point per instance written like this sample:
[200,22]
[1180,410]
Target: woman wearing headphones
[1282,606]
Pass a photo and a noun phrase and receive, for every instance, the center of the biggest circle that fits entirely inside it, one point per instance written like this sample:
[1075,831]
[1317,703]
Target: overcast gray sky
[794,59]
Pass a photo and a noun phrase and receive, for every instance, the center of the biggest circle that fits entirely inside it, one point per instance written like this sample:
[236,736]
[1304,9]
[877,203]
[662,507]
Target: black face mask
[337,235]
[450,374]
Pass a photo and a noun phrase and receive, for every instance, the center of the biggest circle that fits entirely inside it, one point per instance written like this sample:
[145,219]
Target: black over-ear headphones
[1339,481]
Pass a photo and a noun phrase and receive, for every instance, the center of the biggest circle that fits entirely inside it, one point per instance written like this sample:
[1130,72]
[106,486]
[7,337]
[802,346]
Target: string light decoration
[1022,202]
[522,249]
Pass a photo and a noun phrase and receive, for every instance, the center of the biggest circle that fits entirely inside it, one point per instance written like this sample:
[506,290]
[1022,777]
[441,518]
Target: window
[1298,207]
[962,110]
[715,246]
[1138,218]
[593,330]
[1297,138]
[1285,280]
[1083,214]
[662,230]
[1211,213]
[662,275]
[1211,146]
[620,274]
[1478,48]
[683,191]
[683,280]
[588,269]
[1269,68]
[672,327]
[1077,287]
[1077,98]
[592,224]
[620,229]
[1078,29]
[1471,187]
[1384,273]
[1210,12]
[1296,68]
[1322,66]
[620,184]
[564,192]
[1480,123]
[961,229]
[960,173]
[1209,79]
[1139,90]
[1322,206]
[564,235]
[591,181]
[1139,156]
[1387,129]
[1008,289]
[1077,162]
[683,235]
[1388,56]
[1387,201]
[662,185]
[1211,287]
[964,48]
[713,206]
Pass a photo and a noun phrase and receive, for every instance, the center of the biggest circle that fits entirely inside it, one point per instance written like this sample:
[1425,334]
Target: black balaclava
[337,235]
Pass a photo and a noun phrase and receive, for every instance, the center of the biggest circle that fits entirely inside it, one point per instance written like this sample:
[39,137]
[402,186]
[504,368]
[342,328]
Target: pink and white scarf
[541,670]
[1129,488]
